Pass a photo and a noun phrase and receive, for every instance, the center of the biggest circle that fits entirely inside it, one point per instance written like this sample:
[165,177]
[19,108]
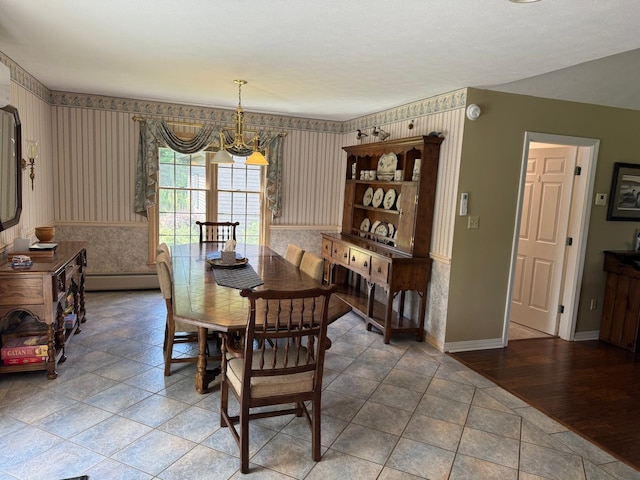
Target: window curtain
[154,134]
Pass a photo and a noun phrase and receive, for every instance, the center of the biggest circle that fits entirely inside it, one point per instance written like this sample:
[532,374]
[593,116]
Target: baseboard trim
[584,336]
[121,281]
[470,345]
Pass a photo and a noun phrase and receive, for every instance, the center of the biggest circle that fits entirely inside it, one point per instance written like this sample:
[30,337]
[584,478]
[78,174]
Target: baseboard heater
[121,281]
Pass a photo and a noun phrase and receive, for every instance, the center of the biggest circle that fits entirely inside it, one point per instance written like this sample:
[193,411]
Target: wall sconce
[360,134]
[32,155]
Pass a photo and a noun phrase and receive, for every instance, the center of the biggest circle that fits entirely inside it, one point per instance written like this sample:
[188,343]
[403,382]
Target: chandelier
[239,147]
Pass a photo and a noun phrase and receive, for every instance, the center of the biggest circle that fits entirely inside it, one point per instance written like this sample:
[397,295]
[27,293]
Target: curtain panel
[155,134]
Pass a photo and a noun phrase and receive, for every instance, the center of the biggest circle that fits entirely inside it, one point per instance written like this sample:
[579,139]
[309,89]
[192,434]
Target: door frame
[578,227]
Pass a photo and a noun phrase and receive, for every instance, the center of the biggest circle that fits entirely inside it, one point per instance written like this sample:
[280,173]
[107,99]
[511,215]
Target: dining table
[207,292]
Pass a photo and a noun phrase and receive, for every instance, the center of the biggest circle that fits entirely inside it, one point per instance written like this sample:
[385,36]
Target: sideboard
[51,288]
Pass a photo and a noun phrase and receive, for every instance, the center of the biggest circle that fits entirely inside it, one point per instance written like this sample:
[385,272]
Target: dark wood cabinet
[385,243]
[51,288]
[621,309]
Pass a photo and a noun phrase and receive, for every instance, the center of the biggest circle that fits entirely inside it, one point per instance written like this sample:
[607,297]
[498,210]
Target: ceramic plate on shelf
[368,196]
[392,230]
[382,230]
[389,199]
[365,226]
[387,164]
[375,226]
[378,196]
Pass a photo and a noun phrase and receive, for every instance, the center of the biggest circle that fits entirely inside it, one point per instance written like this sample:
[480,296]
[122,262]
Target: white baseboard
[121,281]
[470,345]
[584,336]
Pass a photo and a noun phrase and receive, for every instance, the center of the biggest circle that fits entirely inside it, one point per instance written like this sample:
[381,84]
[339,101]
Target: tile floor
[399,411]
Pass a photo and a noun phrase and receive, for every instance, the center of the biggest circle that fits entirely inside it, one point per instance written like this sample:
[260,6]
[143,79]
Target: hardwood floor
[591,387]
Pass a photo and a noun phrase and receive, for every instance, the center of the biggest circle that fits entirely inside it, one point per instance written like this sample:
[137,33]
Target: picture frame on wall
[624,197]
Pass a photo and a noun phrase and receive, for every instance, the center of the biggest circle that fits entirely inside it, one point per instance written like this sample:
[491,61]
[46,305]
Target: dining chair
[313,266]
[163,247]
[281,364]
[217,232]
[294,254]
[176,332]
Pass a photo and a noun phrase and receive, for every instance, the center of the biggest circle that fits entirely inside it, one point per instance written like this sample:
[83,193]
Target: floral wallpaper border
[427,106]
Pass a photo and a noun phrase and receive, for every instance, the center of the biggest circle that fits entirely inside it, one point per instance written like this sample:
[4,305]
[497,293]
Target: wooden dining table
[201,301]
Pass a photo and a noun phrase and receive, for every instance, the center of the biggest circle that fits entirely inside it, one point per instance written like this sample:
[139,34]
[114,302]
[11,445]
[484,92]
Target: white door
[546,205]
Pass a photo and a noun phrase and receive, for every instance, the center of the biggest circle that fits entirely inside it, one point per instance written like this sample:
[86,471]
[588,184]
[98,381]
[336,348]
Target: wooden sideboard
[390,189]
[394,271]
[45,291]
[620,323]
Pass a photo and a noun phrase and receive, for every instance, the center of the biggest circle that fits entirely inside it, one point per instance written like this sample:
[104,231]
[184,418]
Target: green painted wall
[490,171]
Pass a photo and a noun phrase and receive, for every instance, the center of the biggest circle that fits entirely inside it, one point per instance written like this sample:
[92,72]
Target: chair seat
[268,386]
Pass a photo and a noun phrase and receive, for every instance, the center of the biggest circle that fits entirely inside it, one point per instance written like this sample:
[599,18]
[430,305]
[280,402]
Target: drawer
[360,261]
[380,271]
[326,249]
[340,253]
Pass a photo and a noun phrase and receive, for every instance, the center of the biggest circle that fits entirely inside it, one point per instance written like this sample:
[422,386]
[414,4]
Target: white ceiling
[326,59]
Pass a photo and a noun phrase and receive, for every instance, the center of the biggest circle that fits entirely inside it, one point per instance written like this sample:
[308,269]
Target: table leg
[203,376]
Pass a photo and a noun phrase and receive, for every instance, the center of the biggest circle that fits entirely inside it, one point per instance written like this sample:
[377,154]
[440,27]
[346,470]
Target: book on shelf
[25,360]
[33,254]
[19,347]
[70,320]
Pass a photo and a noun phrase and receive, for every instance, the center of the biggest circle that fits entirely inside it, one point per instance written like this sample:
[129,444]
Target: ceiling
[326,59]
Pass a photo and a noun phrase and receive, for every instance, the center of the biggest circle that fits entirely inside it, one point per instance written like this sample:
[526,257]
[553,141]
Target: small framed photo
[624,198]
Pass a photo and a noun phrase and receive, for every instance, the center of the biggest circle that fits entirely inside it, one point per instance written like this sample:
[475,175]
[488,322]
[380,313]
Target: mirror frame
[18,160]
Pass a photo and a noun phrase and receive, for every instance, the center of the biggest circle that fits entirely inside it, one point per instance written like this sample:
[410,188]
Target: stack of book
[21,350]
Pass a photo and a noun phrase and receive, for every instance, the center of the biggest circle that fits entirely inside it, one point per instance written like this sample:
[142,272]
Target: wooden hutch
[386,231]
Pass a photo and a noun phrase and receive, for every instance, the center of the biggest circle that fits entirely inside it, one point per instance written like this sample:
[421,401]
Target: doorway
[550,235]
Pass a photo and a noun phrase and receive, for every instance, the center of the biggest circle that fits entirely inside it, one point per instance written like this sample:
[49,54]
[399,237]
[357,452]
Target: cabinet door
[407,206]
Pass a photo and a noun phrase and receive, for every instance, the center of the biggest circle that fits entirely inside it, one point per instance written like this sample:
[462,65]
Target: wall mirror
[10,167]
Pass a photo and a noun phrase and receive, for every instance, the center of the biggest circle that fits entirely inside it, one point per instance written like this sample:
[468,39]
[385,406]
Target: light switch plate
[601,198]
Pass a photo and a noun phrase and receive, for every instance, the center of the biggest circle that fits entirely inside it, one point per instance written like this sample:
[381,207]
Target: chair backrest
[163,248]
[286,334]
[165,275]
[294,254]
[218,232]
[312,266]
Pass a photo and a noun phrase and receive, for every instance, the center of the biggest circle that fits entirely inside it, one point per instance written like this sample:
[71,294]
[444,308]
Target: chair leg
[224,402]
[315,431]
[168,353]
[244,440]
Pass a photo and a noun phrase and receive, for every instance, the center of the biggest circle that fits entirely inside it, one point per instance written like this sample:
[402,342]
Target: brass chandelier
[239,147]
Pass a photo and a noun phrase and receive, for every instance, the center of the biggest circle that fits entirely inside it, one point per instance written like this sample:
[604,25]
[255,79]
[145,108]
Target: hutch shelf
[386,231]
[52,288]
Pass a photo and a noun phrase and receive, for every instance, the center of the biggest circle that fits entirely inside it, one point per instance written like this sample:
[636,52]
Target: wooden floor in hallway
[591,387]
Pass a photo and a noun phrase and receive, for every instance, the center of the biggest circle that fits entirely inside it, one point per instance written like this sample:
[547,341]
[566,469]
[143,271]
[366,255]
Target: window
[184,197]
[239,198]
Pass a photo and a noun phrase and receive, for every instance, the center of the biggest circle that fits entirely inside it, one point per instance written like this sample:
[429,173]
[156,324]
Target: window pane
[182,176]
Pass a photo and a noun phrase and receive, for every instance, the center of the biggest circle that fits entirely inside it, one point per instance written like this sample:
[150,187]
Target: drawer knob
[365,264]
[379,269]
[344,255]
[353,259]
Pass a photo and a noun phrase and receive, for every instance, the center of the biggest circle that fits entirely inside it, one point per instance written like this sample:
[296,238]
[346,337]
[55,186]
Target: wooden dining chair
[176,332]
[312,265]
[281,364]
[293,255]
[217,232]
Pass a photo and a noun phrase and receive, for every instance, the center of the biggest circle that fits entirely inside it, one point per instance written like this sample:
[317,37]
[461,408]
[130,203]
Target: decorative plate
[368,196]
[217,263]
[392,230]
[387,164]
[378,196]
[365,226]
[389,199]
[374,226]
[398,201]
[382,230]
